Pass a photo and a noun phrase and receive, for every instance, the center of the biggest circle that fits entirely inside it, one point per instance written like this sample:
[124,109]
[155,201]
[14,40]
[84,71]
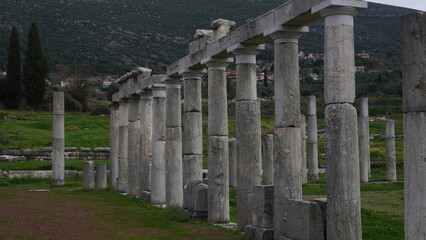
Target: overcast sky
[415,4]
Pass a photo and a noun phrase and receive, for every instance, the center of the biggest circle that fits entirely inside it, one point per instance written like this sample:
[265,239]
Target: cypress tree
[35,70]
[12,86]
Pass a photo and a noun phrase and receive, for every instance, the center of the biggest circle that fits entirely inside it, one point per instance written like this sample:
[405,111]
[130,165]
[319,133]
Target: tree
[35,70]
[12,86]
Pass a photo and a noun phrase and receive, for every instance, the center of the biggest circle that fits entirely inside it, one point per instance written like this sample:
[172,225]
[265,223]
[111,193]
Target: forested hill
[113,36]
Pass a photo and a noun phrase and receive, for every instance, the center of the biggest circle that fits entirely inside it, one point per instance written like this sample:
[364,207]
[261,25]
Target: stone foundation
[45,154]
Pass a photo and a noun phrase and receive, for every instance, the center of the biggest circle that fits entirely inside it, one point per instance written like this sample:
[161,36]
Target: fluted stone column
[145,142]
[312,139]
[113,144]
[247,111]
[287,133]
[414,107]
[268,159]
[232,162]
[58,158]
[193,127]
[342,152]
[218,155]
[364,141]
[304,170]
[122,145]
[133,144]
[173,147]
[390,151]
[158,172]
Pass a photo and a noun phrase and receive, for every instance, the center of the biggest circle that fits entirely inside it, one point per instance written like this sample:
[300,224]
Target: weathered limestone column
[173,147]
[158,169]
[101,176]
[390,151]
[247,111]
[145,142]
[88,175]
[232,162]
[268,159]
[58,158]
[122,145]
[193,127]
[113,144]
[312,139]
[218,155]
[304,170]
[133,143]
[342,152]
[287,133]
[364,141]
[414,107]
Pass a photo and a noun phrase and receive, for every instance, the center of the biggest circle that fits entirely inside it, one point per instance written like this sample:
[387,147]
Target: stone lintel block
[339,3]
[303,221]
[259,233]
[193,132]
[263,206]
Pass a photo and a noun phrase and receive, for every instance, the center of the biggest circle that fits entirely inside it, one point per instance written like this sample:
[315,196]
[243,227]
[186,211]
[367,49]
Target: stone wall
[45,154]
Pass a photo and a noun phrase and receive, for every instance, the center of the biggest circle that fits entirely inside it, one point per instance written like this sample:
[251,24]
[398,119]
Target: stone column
[364,140]
[390,151]
[304,170]
[414,107]
[145,142]
[113,144]
[133,144]
[88,175]
[122,145]
[58,161]
[101,176]
[158,170]
[218,155]
[342,152]
[247,111]
[173,147]
[268,159]
[312,139]
[232,162]
[193,127]
[287,132]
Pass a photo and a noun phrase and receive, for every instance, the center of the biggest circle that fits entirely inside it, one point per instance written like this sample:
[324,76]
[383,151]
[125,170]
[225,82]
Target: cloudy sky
[415,4]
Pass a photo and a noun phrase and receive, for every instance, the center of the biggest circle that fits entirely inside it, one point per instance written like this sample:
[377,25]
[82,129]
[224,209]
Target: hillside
[114,36]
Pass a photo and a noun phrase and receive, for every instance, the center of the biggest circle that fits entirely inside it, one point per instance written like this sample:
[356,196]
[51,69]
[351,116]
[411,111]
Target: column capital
[282,34]
[245,53]
[146,94]
[213,63]
[159,90]
[192,73]
[339,12]
[172,81]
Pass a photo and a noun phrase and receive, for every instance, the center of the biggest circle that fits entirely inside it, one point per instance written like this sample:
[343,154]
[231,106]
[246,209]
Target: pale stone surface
[263,206]
[304,167]
[390,151]
[158,175]
[101,176]
[218,190]
[343,184]
[201,198]
[287,177]
[322,203]
[312,139]
[246,82]
[232,162]
[58,161]
[221,28]
[173,104]
[303,221]
[192,92]
[259,233]
[192,168]
[193,133]
[268,159]
[188,194]
[145,143]
[113,134]
[88,175]
[364,148]
[173,155]
[122,146]
[133,144]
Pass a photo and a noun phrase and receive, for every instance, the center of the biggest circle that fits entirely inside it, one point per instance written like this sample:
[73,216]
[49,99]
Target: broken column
[304,166]
[122,145]
[218,154]
[247,114]
[133,143]
[113,144]
[88,175]
[232,162]
[364,140]
[193,127]
[268,159]
[342,153]
[312,139]
[145,142]
[158,169]
[414,108]
[287,132]
[101,176]
[58,158]
[390,151]
[173,147]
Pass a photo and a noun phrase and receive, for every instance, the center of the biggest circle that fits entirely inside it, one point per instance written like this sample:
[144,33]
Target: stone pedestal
[145,143]
[133,144]
[364,141]
[101,176]
[58,161]
[268,159]
[114,143]
[88,175]
[390,151]
[312,139]
[122,146]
